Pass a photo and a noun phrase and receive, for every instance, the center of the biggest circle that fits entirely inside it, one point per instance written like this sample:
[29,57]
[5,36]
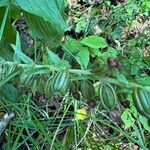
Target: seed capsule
[141,98]
[61,82]
[87,90]
[107,96]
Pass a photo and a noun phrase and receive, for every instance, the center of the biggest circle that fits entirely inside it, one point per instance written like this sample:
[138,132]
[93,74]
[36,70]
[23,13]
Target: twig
[5,120]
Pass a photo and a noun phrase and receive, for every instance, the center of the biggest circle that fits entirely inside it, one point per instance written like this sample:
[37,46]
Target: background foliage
[91,43]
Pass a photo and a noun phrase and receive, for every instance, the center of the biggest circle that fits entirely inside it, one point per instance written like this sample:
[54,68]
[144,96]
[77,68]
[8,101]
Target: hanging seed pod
[61,82]
[141,98]
[41,84]
[87,90]
[27,80]
[74,86]
[107,96]
[48,88]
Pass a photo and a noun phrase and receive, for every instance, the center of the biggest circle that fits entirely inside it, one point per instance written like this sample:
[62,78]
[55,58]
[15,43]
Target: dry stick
[5,120]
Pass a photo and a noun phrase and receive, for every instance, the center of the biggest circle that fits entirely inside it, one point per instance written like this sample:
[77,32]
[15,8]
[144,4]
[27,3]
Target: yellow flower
[81,114]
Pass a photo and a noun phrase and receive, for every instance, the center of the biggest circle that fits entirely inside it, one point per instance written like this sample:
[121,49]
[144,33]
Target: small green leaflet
[54,59]
[127,118]
[19,54]
[80,26]
[83,58]
[95,42]
[121,77]
[80,53]
[116,34]
[72,45]
[143,80]
[144,122]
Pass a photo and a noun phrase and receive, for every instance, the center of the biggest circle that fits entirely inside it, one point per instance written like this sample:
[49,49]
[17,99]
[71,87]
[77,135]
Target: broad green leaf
[18,53]
[49,10]
[109,53]
[83,57]
[133,110]
[94,42]
[3,2]
[145,5]
[121,77]
[43,29]
[97,52]
[46,18]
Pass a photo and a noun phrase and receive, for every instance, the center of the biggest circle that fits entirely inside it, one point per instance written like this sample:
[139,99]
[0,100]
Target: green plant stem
[129,85]
[50,67]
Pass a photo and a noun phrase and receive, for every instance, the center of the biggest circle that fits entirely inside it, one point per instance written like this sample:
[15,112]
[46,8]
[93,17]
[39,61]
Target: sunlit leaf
[81,114]
[94,42]
[127,118]
[143,80]
[144,122]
